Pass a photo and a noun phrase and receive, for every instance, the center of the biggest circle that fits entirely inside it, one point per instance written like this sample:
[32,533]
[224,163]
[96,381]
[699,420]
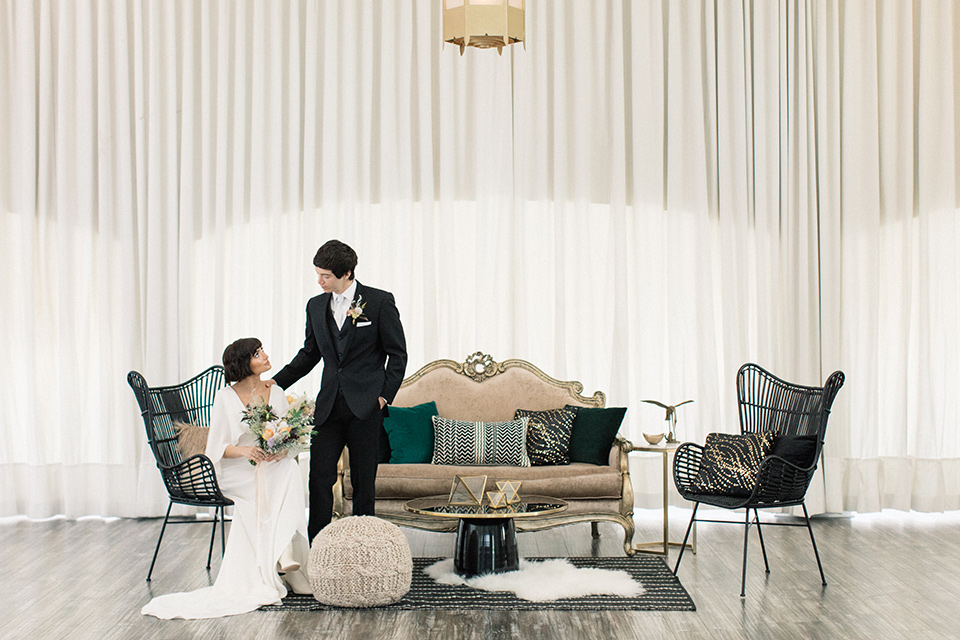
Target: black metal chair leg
[594,530]
[693,518]
[159,540]
[763,548]
[746,538]
[223,533]
[213,534]
[806,517]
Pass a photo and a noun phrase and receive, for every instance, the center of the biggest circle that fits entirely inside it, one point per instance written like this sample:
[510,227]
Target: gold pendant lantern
[483,23]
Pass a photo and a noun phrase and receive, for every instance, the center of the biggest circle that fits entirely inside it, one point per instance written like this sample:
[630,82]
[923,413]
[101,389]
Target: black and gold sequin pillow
[548,435]
[730,463]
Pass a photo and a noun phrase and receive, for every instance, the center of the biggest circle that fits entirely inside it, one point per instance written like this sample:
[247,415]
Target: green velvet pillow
[593,433]
[410,432]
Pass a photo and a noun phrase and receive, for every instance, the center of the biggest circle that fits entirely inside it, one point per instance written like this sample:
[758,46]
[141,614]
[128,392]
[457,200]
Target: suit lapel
[328,338]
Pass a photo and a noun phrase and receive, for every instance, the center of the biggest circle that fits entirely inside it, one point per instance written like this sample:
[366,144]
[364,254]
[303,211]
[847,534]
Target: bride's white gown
[269,516]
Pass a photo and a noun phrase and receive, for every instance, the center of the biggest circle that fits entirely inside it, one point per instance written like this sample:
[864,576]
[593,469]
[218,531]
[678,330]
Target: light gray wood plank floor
[891,575]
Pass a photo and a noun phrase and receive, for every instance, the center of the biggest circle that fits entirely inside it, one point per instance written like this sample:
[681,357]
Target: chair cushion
[799,450]
[410,432]
[470,443]
[730,463]
[593,433]
[191,439]
[576,480]
[548,435]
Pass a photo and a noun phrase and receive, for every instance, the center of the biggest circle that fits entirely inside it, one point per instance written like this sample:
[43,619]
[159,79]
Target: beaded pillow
[472,443]
[548,435]
[730,463]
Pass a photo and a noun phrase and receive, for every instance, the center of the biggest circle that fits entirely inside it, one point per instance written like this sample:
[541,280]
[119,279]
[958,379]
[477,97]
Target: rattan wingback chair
[766,404]
[192,481]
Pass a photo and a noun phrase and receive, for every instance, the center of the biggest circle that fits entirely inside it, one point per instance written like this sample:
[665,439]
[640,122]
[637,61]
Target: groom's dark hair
[337,257]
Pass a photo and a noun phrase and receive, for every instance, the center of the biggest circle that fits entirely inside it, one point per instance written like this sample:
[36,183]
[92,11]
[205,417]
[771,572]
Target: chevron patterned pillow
[470,443]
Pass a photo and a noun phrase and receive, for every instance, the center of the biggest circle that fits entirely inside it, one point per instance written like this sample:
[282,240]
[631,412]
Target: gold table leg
[662,546]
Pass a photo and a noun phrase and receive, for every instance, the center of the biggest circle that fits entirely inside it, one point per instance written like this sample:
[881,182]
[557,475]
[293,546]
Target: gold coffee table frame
[439,507]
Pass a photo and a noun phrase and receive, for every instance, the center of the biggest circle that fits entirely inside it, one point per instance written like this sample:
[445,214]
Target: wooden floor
[890,575]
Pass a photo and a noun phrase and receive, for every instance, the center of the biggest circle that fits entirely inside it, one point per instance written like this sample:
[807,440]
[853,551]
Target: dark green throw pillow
[593,433]
[410,432]
[548,435]
[730,463]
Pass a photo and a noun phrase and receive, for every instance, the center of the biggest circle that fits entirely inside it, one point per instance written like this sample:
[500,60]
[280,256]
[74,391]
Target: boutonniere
[355,312]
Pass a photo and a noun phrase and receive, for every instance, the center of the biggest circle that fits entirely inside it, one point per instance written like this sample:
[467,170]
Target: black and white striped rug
[662,591]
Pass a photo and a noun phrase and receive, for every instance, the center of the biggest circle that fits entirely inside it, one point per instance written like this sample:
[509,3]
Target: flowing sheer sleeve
[225,425]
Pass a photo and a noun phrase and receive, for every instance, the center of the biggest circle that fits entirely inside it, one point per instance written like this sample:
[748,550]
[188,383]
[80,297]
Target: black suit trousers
[362,438]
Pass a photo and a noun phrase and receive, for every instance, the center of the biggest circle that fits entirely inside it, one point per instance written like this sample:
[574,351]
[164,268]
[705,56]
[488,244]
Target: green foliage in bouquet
[274,434]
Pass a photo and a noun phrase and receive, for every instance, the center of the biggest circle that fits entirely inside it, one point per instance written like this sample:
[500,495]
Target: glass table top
[528,506]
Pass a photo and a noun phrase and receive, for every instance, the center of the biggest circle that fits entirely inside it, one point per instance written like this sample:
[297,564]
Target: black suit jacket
[366,361]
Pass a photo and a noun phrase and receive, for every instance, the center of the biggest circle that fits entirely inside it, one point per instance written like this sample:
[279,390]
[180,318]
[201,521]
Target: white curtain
[648,195]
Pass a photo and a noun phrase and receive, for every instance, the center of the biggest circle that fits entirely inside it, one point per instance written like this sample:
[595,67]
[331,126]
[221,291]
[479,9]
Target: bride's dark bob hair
[236,358]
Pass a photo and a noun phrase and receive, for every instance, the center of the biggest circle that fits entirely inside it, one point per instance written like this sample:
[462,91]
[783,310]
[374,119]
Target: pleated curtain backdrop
[648,195]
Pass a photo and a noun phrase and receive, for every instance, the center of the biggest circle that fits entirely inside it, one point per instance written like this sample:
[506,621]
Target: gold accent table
[486,537]
[662,546]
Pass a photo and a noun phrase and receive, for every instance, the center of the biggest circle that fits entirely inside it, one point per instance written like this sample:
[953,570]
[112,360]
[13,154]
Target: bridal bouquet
[275,434]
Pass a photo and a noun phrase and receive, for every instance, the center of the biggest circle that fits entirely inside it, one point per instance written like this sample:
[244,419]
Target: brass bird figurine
[671,416]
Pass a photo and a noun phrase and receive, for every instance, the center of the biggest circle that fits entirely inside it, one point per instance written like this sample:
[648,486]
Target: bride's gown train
[269,523]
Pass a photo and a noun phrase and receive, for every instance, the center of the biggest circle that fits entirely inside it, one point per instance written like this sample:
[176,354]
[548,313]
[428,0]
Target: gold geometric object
[510,489]
[497,499]
[467,490]
[483,24]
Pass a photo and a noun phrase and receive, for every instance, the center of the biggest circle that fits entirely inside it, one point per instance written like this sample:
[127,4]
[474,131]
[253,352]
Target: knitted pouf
[360,561]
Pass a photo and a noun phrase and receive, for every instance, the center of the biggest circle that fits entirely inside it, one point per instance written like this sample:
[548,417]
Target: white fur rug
[546,580]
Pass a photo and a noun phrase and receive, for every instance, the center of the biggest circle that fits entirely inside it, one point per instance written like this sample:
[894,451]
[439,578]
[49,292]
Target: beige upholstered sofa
[480,389]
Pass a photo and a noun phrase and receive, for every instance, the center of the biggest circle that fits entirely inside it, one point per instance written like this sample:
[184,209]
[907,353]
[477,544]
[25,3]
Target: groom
[356,330]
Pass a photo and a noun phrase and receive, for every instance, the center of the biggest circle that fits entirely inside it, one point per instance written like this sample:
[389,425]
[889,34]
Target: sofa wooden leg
[594,529]
[628,531]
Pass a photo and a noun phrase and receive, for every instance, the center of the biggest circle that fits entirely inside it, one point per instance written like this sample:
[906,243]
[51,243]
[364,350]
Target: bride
[269,529]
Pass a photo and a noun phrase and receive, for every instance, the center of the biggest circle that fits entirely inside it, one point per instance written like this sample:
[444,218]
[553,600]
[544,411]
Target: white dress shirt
[339,303]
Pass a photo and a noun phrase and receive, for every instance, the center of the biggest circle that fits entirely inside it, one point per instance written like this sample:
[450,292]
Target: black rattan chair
[767,404]
[192,481]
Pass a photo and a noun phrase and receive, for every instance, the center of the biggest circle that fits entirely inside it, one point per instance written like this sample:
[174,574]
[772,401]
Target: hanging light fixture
[483,23]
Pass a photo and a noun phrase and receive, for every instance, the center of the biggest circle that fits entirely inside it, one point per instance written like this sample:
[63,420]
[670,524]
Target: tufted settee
[481,389]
